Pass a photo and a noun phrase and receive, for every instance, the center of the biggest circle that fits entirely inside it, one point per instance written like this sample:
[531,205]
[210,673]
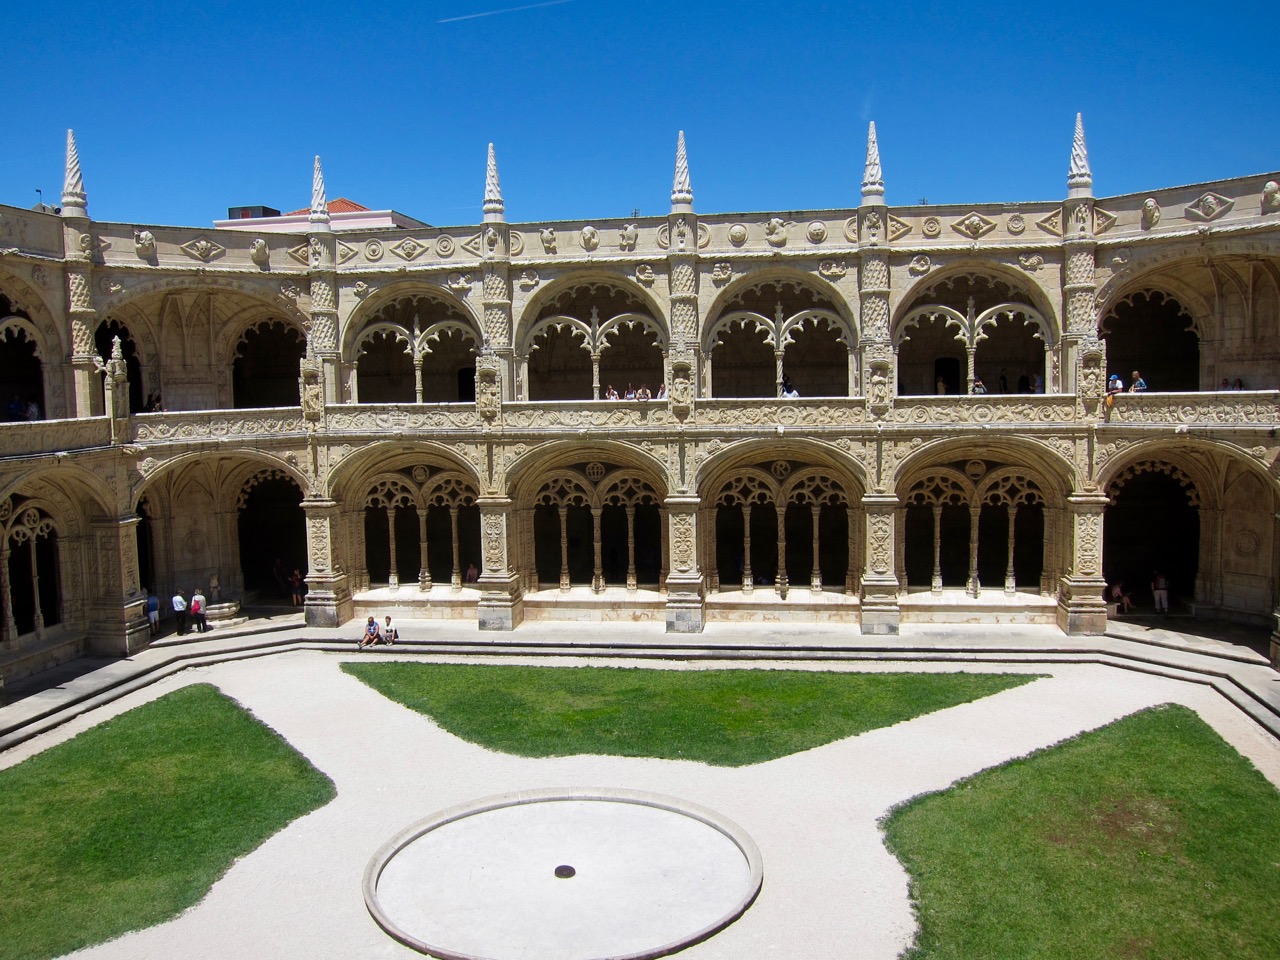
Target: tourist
[941,387]
[153,613]
[389,633]
[630,394]
[662,390]
[180,612]
[1116,594]
[789,390]
[1238,385]
[1114,385]
[32,411]
[1137,384]
[1037,383]
[198,611]
[1160,591]
[1225,384]
[372,634]
[610,393]
[296,587]
[978,386]
[472,574]
[643,393]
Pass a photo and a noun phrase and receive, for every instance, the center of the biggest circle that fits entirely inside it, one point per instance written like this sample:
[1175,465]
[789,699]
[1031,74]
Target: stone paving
[828,880]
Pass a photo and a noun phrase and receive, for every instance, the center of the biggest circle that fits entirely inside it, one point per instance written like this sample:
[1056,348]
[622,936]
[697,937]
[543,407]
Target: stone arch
[26,300]
[777,514]
[589,514]
[265,368]
[353,472]
[585,331]
[994,520]
[1033,294]
[1150,331]
[808,336]
[980,322]
[414,343]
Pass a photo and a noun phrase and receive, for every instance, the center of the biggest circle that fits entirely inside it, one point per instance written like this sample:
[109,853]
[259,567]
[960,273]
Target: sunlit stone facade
[419,418]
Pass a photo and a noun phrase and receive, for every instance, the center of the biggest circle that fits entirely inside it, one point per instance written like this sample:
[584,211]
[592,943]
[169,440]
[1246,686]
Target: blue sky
[183,110]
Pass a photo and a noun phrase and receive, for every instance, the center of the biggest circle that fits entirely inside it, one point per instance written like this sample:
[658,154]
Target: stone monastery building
[421,421]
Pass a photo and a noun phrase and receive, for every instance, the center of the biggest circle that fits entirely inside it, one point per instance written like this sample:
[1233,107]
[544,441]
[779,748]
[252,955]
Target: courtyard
[829,881]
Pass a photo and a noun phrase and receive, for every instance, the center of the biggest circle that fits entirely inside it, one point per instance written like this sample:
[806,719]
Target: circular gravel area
[563,875]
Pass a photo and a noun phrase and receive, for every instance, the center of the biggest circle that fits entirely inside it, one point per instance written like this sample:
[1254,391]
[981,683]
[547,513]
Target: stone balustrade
[26,438]
[1255,408]
[1251,407]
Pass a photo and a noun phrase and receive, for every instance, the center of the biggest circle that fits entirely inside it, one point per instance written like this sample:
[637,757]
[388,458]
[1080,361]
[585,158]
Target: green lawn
[1150,838]
[131,822]
[723,717]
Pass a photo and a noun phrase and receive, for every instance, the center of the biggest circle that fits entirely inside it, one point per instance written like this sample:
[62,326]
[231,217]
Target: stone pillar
[685,605]
[328,602]
[501,597]
[1081,606]
[118,621]
[880,611]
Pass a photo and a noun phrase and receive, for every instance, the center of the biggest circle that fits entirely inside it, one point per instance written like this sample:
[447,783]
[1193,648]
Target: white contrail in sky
[493,13]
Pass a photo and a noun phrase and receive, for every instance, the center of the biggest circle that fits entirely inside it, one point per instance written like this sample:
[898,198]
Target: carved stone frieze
[897,228]
[1208,207]
[973,225]
[203,249]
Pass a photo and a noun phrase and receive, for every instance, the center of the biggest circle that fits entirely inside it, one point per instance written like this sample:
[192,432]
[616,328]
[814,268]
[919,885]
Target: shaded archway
[1152,523]
[32,586]
[967,326]
[103,337]
[272,532]
[384,368]
[587,335]
[774,328]
[21,374]
[419,347]
[1153,333]
[265,371]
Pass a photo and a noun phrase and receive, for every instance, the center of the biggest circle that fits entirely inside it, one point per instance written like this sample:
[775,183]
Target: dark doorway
[1151,525]
[272,524]
[21,378]
[1151,333]
[265,372]
[947,370]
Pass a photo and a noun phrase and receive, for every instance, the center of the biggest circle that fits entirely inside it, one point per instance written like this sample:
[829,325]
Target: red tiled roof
[340,205]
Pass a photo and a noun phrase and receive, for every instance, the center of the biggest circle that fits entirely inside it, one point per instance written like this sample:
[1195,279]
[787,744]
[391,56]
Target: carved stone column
[1081,607]
[685,607]
[118,620]
[328,602]
[501,598]
[880,611]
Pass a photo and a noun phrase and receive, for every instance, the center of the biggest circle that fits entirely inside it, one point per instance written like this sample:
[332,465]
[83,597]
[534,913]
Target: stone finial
[493,205]
[319,217]
[872,178]
[74,200]
[681,189]
[1080,179]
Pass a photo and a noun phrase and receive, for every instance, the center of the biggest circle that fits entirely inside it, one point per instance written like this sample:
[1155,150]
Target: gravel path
[829,881]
